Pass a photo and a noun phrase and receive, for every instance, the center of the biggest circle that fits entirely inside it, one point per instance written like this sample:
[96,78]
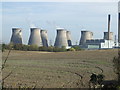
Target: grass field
[57,70]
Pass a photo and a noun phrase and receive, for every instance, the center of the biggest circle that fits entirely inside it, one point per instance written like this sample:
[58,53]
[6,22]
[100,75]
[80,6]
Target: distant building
[98,44]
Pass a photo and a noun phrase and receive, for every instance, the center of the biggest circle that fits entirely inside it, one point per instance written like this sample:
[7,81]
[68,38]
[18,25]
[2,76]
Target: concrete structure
[68,34]
[119,22]
[98,44]
[111,36]
[108,36]
[44,37]
[61,38]
[16,36]
[85,35]
[35,37]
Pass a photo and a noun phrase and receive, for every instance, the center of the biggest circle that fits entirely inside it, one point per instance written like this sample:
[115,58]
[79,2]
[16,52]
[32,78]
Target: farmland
[57,70]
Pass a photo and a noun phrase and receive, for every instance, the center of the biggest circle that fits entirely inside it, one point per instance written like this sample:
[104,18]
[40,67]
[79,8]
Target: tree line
[37,48]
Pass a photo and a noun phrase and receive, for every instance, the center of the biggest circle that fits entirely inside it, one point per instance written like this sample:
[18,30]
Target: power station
[63,37]
[87,41]
[35,37]
[16,36]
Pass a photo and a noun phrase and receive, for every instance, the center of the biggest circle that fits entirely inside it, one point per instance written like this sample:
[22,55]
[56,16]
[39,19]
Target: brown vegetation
[61,69]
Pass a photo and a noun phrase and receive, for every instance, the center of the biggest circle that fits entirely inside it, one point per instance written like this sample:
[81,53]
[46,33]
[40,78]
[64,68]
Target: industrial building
[61,38]
[44,37]
[35,37]
[69,40]
[87,41]
[85,35]
[16,36]
[119,22]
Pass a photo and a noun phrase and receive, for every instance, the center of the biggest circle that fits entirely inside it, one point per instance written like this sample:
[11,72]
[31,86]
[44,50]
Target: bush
[77,48]
[50,49]
[71,49]
[116,62]
[18,46]
[33,48]
[56,49]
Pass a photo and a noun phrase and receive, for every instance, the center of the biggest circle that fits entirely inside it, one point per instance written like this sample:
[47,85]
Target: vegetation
[96,80]
[116,62]
[32,48]
[36,48]
[52,70]
[77,48]
[71,49]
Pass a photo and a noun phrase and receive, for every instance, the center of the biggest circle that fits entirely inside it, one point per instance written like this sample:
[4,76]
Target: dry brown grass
[50,70]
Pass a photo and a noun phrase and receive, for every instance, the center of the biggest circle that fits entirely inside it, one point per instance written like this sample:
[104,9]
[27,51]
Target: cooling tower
[35,37]
[85,35]
[111,37]
[68,34]
[61,38]
[44,37]
[119,21]
[16,36]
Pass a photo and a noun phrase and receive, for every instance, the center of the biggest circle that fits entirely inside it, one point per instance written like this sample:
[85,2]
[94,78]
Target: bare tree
[3,67]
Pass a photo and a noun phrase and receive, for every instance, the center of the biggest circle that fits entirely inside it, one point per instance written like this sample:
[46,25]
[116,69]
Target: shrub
[71,49]
[116,62]
[77,48]
[33,48]
[17,46]
[62,49]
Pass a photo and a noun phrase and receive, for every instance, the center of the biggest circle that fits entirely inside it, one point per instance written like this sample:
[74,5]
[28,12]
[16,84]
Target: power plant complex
[63,38]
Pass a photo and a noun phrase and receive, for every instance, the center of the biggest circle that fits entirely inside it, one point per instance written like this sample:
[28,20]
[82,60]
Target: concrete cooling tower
[69,38]
[44,37]
[61,38]
[35,37]
[119,21]
[85,35]
[111,37]
[16,36]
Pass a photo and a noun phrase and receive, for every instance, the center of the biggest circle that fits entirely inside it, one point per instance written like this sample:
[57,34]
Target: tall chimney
[119,21]
[109,27]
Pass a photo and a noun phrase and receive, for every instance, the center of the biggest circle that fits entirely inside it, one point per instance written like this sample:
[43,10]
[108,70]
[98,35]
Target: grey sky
[73,16]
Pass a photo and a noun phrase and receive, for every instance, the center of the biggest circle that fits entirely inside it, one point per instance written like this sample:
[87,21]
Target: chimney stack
[109,27]
[119,21]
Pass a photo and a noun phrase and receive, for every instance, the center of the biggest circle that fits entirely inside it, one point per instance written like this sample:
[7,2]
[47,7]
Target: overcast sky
[73,16]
